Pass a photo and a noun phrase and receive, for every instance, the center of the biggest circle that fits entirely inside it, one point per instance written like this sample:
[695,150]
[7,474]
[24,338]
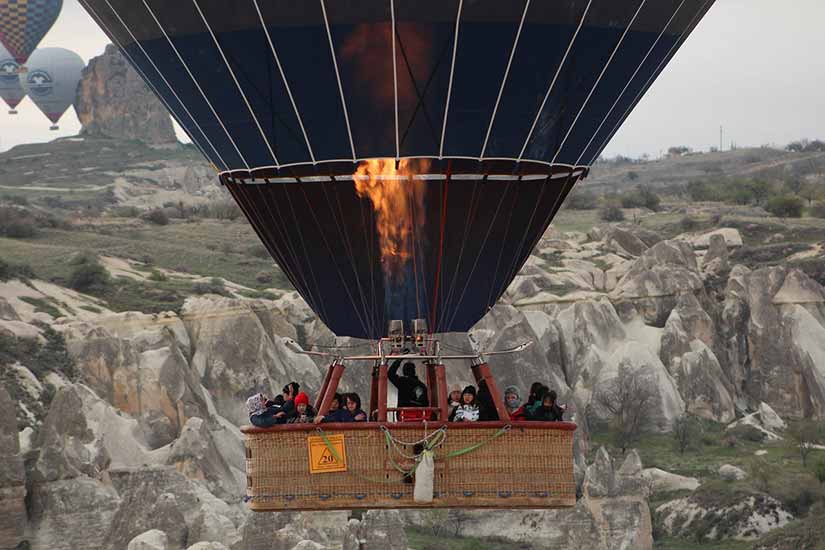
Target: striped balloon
[24,23]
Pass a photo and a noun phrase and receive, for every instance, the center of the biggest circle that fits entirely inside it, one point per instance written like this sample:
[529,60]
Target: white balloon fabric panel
[10,89]
[52,79]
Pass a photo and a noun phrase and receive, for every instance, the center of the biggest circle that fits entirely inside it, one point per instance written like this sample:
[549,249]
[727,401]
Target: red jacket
[518,414]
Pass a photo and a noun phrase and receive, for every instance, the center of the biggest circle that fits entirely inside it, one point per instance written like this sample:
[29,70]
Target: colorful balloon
[24,23]
[10,89]
[51,81]
[400,159]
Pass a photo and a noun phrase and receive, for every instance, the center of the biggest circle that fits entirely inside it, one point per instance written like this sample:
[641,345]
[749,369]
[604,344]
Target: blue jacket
[339,415]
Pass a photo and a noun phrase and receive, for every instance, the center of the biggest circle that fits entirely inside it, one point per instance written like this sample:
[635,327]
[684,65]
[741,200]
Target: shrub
[817,210]
[125,212]
[688,224]
[89,275]
[19,229]
[157,217]
[214,286]
[264,278]
[258,251]
[746,432]
[786,206]
[15,271]
[582,200]
[158,276]
[641,197]
[611,214]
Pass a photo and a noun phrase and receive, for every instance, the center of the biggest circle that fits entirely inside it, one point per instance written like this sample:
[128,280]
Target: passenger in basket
[549,410]
[337,411]
[289,393]
[263,412]
[303,412]
[486,405]
[468,410]
[354,408]
[454,399]
[512,401]
[411,391]
[533,396]
[535,405]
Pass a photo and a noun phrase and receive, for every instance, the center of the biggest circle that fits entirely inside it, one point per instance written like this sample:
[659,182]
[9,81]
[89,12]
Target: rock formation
[113,101]
[12,477]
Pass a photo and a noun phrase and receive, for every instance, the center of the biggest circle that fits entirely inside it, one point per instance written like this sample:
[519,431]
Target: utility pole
[721,138]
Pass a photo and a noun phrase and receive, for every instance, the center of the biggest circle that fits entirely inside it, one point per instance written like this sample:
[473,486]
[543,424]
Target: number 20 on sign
[321,458]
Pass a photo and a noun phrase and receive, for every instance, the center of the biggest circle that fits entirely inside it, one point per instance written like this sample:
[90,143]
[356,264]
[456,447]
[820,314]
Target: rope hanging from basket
[431,441]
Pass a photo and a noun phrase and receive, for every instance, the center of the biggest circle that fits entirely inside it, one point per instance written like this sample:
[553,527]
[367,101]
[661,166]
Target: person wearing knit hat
[303,411]
[512,400]
[453,399]
[467,411]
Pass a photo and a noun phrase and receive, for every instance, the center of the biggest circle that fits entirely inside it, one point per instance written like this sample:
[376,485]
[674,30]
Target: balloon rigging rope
[630,81]
[688,30]
[365,320]
[148,81]
[494,274]
[275,221]
[297,225]
[475,200]
[480,253]
[237,192]
[598,81]
[197,85]
[332,257]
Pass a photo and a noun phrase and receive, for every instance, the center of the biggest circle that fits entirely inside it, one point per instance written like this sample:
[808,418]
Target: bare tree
[686,432]
[628,400]
[804,435]
[811,192]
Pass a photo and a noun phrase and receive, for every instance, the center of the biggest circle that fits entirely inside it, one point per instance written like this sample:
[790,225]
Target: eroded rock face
[83,436]
[744,517]
[72,513]
[113,101]
[140,364]
[162,498]
[657,279]
[12,477]
[775,322]
[237,355]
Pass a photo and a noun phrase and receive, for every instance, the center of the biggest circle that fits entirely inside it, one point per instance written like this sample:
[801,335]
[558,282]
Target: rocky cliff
[113,101]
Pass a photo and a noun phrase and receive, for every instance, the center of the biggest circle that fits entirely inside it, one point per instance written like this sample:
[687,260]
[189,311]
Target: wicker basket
[520,465]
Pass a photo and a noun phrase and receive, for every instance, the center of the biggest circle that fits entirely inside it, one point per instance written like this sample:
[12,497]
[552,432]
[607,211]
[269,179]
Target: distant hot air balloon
[10,89]
[52,79]
[24,23]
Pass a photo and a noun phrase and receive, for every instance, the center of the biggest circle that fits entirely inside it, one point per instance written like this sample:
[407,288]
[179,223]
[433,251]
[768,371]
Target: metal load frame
[396,347]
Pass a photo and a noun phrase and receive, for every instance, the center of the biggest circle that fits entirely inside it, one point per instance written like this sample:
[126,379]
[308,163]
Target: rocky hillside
[113,101]
[121,428]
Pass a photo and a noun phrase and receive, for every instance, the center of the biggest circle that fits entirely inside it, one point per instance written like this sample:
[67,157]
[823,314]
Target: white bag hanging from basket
[424,475]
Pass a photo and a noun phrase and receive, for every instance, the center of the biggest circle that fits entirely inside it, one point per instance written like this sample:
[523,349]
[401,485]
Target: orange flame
[398,202]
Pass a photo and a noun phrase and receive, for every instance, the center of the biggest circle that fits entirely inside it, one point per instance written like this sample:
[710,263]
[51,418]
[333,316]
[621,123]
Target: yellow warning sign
[321,457]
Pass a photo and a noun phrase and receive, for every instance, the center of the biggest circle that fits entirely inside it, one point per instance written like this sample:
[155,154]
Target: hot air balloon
[400,160]
[51,81]
[10,89]
[24,23]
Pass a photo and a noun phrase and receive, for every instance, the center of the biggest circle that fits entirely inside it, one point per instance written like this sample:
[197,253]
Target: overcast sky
[752,66]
